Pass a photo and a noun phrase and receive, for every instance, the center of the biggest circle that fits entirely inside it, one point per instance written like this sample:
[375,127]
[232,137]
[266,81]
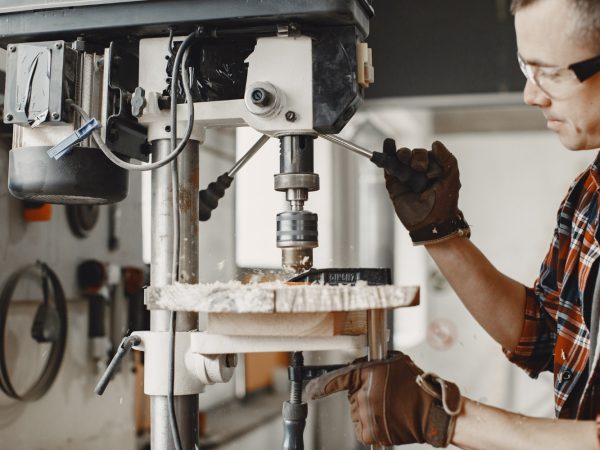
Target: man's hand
[392,402]
[432,215]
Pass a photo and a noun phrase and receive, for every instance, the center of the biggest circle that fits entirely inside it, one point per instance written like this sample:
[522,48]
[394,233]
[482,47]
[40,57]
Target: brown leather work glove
[392,402]
[432,215]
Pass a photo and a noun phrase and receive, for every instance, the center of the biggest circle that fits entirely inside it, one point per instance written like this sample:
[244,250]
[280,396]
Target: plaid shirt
[555,336]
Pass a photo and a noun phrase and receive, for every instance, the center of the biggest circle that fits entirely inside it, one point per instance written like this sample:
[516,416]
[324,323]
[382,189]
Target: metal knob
[138,102]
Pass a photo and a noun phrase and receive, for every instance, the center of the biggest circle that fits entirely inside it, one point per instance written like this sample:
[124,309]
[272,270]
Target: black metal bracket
[306,373]
[122,133]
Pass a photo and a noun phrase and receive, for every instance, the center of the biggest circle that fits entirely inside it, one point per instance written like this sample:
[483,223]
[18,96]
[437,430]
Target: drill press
[291,70]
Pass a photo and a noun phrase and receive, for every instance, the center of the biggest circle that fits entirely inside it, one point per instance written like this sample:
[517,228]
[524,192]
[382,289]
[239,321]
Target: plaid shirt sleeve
[535,351]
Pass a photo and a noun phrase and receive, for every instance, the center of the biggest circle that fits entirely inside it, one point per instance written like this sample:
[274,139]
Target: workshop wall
[440,47]
[70,415]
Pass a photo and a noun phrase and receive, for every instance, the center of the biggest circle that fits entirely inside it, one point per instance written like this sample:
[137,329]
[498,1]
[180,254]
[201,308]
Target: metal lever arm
[126,344]
[208,199]
[417,181]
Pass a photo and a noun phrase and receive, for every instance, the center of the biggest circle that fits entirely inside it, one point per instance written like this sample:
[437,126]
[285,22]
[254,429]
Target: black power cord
[180,57]
[49,326]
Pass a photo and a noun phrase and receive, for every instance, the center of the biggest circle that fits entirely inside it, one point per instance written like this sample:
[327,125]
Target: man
[551,327]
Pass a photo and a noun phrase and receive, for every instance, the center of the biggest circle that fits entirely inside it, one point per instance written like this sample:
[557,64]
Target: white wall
[70,416]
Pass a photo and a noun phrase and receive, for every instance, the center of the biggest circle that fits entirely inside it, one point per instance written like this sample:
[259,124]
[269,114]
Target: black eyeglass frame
[586,69]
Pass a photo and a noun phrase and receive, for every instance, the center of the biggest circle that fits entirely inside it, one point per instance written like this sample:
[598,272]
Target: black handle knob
[294,421]
[417,181]
[208,199]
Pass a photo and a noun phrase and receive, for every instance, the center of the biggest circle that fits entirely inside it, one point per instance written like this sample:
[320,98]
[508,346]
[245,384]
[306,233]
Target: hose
[57,349]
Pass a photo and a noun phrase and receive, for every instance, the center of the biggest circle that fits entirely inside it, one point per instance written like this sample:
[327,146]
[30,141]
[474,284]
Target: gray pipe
[186,406]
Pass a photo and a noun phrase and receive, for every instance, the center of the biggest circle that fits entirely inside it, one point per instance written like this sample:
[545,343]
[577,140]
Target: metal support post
[186,406]
[378,344]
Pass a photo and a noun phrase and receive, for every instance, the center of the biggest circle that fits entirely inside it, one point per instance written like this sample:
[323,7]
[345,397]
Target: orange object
[259,369]
[36,211]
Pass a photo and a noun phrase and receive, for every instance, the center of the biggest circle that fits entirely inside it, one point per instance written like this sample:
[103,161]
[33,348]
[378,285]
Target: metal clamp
[67,144]
[306,373]
[192,370]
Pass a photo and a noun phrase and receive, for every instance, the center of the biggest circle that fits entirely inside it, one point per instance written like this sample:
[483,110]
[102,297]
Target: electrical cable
[57,349]
[175,176]
[170,44]
[171,383]
[182,55]
[139,167]
[176,149]
[174,80]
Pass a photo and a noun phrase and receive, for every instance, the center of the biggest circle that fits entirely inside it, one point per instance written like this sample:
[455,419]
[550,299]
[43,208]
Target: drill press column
[297,231]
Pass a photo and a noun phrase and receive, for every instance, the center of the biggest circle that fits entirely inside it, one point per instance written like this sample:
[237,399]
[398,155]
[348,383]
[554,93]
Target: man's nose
[534,96]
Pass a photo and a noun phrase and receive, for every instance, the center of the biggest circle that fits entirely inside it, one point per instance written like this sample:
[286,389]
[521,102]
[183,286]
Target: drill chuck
[297,229]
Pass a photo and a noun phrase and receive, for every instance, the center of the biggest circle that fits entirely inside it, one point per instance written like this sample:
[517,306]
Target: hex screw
[58,45]
[12,48]
[290,116]
[231,360]
[260,97]
[55,116]
[257,95]
[9,117]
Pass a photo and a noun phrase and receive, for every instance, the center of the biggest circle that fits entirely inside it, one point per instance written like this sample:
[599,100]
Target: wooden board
[277,297]
[352,323]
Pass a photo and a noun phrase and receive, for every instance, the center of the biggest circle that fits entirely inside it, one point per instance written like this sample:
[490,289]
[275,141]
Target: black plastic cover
[336,93]
[84,176]
[219,69]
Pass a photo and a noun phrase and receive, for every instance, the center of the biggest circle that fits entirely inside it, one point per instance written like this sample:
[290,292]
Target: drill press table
[270,317]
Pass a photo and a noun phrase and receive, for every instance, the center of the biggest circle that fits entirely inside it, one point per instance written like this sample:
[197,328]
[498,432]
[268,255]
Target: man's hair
[588,19]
